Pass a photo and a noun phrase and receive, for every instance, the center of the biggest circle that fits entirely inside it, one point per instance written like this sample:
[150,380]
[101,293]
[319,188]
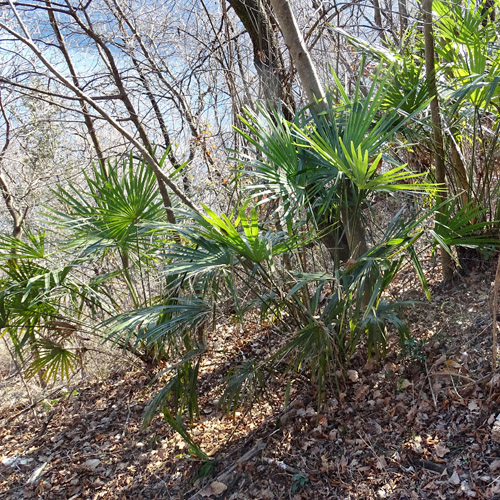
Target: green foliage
[111,211]
[244,384]
[463,226]
[413,349]
[42,302]
[162,286]
[34,296]
[299,481]
[53,360]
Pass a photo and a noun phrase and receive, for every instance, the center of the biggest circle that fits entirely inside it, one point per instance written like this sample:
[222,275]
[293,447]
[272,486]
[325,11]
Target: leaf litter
[423,424]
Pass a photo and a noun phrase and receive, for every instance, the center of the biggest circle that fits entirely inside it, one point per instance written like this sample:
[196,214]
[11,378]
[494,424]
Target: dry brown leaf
[218,487]
[495,431]
[381,463]
[412,413]
[92,463]
[343,464]
[495,465]
[440,360]
[416,445]
[473,406]
[441,450]
[405,383]
[452,364]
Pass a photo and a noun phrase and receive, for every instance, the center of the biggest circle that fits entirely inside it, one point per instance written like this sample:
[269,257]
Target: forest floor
[424,425]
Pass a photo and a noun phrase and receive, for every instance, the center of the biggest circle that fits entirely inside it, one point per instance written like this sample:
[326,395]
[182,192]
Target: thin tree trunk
[16,214]
[351,227]
[258,20]
[438,146]
[403,17]
[377,17]
[298,50]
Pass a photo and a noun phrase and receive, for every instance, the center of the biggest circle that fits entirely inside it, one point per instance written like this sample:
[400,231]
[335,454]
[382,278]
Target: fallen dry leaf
[218,487]
[495,465]
[441,450]
[473,406]
[92,463]
[381,463]
[405,383]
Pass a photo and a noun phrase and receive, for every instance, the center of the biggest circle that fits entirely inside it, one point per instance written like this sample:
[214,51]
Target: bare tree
[15,212]
[128,109]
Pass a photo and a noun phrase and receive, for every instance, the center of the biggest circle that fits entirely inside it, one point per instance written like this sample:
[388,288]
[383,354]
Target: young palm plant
[324,167]
[106,223]
[43,306]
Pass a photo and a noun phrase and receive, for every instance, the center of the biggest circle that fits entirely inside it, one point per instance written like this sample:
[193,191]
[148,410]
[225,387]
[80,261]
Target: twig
[494,308]
[41,432]
[434,399]
[427,464]
[281,465]
[223,477]
[452,374]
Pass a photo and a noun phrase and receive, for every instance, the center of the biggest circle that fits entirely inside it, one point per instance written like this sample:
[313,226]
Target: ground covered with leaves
[418,424]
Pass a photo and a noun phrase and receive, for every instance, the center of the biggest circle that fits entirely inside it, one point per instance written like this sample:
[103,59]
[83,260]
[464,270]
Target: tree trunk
[14,211]
[352,242]
[377,17]
[438,146]
[258,20]
[298,50]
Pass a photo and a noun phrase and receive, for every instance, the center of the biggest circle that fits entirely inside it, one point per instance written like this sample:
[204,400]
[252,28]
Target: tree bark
[298,50]
[258,20]
[377,17]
